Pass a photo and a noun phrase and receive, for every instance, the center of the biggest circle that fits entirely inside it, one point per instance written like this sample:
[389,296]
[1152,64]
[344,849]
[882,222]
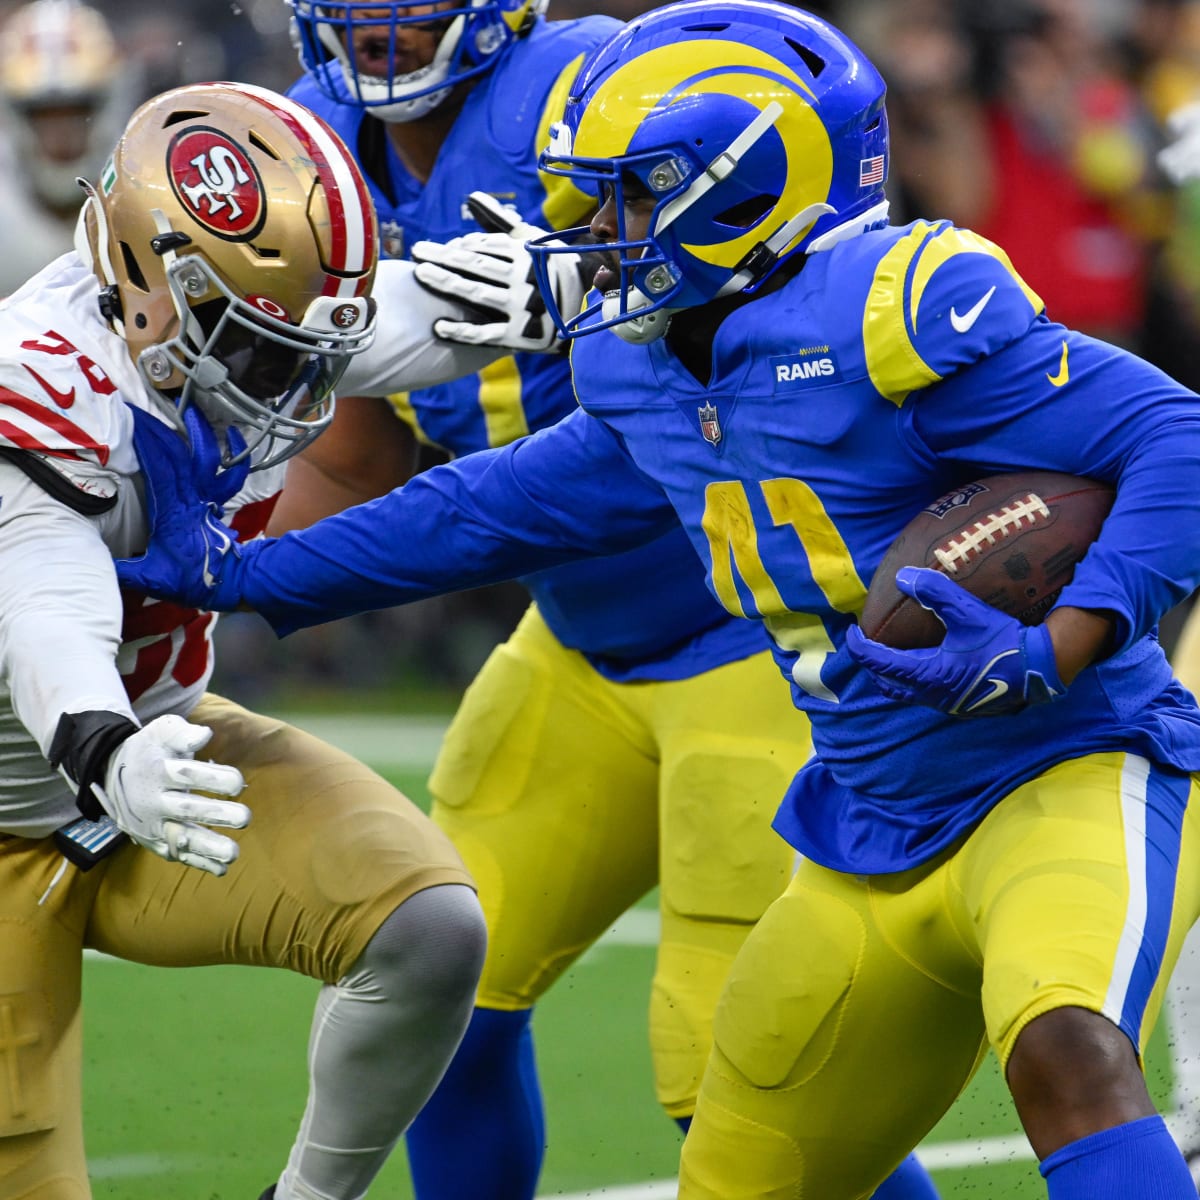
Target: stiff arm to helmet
[236,245]
[757,130]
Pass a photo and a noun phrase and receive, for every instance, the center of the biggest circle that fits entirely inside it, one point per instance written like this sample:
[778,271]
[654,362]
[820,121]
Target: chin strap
[639,329]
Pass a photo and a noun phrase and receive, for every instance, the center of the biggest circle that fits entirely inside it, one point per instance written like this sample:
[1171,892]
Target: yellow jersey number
[728,524]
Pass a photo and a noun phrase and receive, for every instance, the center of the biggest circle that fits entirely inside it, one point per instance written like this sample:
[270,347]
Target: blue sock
[483,1133]
[1135,1161]
[909,1181]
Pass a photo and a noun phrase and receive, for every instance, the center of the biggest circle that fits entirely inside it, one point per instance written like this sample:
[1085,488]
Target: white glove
[492,272]
[1181,159]
[147,791]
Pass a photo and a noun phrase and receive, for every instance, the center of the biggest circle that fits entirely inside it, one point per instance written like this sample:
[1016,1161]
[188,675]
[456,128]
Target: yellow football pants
[569,797]
[860,1006]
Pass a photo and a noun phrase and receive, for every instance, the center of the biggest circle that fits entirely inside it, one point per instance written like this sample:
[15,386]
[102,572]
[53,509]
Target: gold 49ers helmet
[235,245]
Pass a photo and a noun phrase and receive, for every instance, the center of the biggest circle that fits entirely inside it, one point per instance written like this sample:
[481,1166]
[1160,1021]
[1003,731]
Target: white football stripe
[357,218]
[1134,776]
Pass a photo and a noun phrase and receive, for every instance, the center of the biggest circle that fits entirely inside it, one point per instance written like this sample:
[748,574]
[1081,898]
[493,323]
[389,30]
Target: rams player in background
[999,836]
[163,328]
[630,732]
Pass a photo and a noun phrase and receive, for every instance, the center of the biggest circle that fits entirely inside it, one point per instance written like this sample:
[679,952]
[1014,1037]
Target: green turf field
[176,1109]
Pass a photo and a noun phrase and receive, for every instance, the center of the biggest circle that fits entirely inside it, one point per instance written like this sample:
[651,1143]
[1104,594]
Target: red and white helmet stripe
[351,215]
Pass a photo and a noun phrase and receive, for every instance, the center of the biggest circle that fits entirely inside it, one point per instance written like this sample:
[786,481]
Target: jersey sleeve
[404,355]
[1057,400]
[567,492]
[60,610]
[940,299]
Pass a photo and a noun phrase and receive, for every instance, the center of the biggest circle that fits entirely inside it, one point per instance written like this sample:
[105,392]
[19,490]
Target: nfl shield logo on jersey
[710,424]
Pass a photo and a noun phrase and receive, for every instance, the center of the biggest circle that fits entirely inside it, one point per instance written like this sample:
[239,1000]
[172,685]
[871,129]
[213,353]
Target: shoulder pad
[941,298]
[525,79]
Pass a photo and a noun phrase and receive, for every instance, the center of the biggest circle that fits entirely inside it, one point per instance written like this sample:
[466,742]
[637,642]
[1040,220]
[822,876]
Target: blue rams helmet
[757,130]
[474,33]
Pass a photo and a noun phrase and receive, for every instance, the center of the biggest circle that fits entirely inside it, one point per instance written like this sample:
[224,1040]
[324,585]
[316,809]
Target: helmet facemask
[242,366]
[651,286]
[472,36]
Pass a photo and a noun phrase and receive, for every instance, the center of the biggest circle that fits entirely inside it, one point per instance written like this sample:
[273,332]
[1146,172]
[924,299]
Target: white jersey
[70,640]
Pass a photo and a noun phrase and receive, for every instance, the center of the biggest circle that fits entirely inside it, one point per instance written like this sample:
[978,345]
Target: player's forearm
[60,614]
[405,356]
[449,529]
[1080,637]
[1147,558]
[563,494]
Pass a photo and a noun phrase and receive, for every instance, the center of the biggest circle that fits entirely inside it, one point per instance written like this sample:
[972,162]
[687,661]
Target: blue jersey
[891,368]
[646,614]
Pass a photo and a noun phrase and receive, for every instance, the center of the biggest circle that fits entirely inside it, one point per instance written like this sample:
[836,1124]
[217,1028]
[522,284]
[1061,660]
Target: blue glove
[191,550]
[988,663]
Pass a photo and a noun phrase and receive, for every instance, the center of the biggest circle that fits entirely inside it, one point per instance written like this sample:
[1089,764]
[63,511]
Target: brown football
[1011,540]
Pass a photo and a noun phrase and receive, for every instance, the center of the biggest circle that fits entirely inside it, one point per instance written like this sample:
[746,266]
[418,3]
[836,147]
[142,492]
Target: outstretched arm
[564,493]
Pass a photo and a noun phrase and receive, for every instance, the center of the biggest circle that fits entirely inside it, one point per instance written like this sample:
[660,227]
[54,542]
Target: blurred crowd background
[1033,122]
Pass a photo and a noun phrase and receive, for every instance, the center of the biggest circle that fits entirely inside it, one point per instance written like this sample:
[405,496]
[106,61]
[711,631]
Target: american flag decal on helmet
[710,423]
[870,171]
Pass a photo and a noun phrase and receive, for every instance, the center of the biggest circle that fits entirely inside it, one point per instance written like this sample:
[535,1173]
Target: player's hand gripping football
[148,792]
[492,273]
[191,551]
[988,663]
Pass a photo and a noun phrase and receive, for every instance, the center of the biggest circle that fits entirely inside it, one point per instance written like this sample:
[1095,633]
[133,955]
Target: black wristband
[82,744]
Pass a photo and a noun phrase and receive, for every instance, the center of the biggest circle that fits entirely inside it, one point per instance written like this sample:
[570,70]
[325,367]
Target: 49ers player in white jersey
[220,283]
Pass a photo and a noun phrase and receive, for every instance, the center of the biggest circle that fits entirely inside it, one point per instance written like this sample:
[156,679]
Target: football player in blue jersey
[629,732]
[767,363]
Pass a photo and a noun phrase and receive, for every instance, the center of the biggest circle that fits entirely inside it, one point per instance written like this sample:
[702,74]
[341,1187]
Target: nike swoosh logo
[223,543]
[999,688]
[963,323]
[62,399]
[1063,373]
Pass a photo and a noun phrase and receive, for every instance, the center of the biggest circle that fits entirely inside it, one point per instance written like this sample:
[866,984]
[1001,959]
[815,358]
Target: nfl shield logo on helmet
[710,424]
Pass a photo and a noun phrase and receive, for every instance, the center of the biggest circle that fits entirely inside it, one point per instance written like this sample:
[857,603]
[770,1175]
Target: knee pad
[778,1020]
[433,943]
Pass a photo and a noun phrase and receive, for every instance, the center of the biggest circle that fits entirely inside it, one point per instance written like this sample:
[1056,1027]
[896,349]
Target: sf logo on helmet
[216,182]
